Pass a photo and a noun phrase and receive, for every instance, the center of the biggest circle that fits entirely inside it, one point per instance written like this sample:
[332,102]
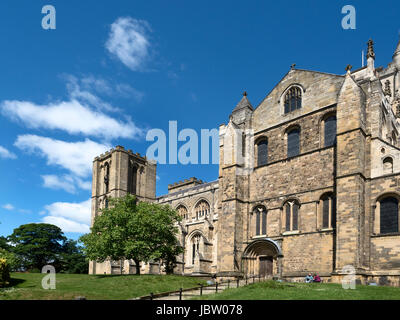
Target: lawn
[272,290]
[27,286]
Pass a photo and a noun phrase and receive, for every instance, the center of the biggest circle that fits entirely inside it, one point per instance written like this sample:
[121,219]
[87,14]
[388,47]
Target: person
[309,278]
[316,278]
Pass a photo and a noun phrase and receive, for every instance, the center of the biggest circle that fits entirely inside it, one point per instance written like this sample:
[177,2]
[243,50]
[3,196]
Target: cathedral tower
[116,173]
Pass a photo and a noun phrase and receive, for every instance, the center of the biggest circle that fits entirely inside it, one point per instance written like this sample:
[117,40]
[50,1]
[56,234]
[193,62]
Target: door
[265,266]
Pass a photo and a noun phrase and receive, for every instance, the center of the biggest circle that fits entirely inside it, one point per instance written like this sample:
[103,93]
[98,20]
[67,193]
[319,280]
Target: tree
[37,244]
[168,256]
[72,258]
[3,243]
[4,272]
[12,260]
[135,231]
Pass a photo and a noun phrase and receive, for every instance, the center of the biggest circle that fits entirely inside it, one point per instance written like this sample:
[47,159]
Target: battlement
[119,148]
[184,184]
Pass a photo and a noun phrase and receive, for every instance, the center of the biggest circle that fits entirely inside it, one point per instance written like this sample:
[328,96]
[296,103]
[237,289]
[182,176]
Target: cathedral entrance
[262,258]
[265,266]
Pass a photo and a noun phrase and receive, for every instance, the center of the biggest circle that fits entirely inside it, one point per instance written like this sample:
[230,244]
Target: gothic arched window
[261,220]
[132,177]
[293,142]
[182,211]
[292,99]
[291,209]
[202,209]
[330,131]
[389,215]
[106,177]
[195,246]
[262,152]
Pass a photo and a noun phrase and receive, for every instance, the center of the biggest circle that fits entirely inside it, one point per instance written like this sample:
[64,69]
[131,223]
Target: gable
[319,90]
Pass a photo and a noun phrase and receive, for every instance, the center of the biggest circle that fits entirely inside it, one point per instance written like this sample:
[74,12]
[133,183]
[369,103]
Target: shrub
[12,260]
[4,272]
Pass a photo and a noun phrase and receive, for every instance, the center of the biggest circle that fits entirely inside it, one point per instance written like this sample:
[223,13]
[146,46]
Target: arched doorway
[262,258]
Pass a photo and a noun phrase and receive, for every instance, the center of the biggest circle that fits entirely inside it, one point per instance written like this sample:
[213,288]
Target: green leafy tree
[37,244]
[129,230]
[169,254]
[3,243]
[72,258]
[12,259]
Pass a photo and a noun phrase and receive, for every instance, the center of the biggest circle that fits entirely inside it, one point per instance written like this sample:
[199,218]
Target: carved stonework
[396,103]
[387,91]
[371,52]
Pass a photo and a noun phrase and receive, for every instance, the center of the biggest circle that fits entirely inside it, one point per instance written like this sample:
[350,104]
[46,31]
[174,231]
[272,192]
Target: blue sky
[112,70]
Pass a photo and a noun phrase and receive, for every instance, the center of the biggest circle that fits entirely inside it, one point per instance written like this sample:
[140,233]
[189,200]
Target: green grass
[272,290]
[27,286]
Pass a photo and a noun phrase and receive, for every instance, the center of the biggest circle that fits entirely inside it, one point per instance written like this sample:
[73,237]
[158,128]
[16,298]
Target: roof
[243,103]
[186,190]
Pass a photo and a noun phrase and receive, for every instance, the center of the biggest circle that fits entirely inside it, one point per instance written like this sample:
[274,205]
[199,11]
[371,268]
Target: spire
[397,49]
[370,53]
[396,55]
[243,103]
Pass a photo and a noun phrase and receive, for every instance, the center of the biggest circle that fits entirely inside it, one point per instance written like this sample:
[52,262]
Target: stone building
[309,181]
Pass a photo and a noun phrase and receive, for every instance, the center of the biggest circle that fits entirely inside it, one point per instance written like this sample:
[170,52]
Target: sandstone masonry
[334,203]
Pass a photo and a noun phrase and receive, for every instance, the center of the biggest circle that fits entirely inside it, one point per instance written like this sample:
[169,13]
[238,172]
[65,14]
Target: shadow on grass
[13,282]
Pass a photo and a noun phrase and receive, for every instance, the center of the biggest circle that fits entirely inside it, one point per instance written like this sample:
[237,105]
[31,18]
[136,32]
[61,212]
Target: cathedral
[309,181]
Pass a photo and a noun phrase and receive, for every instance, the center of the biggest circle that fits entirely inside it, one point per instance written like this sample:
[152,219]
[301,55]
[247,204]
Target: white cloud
[55,182]
[70,217]
[8,206]
[69,183]
[4,153]
[70,116]
[67,225]
[83,89]
[77,157]
[100,85]
[126,91]
[24,211]
[84,112]
[128,41]
[85,185]
[85,96]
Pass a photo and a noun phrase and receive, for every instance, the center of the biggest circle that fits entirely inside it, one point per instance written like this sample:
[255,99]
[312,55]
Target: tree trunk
[137,265]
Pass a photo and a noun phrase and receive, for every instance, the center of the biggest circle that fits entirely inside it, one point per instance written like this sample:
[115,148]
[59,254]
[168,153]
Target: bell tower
[116,173]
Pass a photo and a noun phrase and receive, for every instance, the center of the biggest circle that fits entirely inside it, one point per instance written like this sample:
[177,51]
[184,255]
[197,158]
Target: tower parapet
[184,184]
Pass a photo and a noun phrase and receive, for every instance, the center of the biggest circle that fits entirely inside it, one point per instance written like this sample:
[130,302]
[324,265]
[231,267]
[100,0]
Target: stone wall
[356,172]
